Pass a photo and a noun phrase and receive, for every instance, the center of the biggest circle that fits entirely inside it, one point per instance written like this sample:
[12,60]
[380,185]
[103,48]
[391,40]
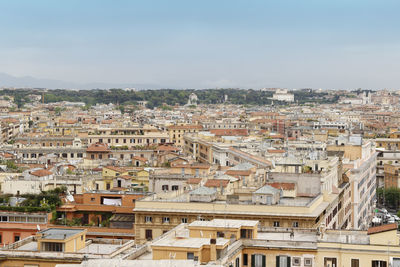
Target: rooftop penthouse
[58,245]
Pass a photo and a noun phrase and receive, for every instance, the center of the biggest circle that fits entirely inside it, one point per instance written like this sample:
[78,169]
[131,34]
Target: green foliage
[390,197]
[48,200]
[57,110]
[307,169]
[5,198]
[119,147]
[25,208]
[164,107]
[166,164]
[156,98]
[11,165]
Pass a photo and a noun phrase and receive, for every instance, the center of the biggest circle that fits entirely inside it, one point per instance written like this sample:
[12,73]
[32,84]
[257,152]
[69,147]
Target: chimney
[213,249]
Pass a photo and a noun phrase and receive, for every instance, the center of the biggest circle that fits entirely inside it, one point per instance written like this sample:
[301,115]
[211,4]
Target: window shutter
[263,260]
[288,261]
[253,260]
[277,261]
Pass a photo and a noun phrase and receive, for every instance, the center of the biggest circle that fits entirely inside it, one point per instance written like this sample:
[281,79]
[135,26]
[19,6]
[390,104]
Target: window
[190,255]
[108,186]
[276,224]
[296,261]
[355,263]
[165,219]
[283,261]
[50,246]
[307,262]
[149,234]
[17,237]
[245,259]
[379,264]
[175,188]
[258,260]
[237,262]
[220,234]
[148,219]
[184,220]
[1,238]
[295,224]
[164,187]
[330,262]
[92,199]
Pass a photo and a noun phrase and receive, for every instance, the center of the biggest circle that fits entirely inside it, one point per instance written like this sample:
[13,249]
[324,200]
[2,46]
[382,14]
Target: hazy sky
[204,43]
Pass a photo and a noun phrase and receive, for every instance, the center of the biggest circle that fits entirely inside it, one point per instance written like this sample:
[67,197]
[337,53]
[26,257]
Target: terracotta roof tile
[98,147]
[230,132]
[216,183]
[41,173]
[185,127]
[284,186]
[142,159]
[193,180]
[115,168]
[382,228]
[167,148]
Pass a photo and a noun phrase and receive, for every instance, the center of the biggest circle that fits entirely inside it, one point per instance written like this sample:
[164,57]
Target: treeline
[389,197]
[156,98]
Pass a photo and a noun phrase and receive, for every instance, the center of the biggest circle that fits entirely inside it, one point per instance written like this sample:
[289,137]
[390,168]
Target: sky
[336,44]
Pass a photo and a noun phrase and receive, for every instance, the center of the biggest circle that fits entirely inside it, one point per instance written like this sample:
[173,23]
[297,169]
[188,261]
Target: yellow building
[205,241]
[153,218]
[62,240]
[176,132]
[377,247]
[141,177]
[110,173]
[55,246]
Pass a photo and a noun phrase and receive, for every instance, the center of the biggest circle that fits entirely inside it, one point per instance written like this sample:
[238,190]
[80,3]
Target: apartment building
[153,217]
[391,175]
[241,243]
[176,132]
[359,159]
[54,246]
[16,226]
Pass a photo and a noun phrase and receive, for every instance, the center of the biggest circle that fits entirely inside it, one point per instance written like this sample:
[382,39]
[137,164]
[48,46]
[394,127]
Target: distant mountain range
[7,80]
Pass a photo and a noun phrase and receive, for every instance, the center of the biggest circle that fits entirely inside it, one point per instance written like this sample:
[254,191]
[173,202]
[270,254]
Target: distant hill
[7,80]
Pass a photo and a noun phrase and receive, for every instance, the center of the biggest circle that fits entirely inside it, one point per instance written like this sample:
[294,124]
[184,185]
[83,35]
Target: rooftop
[59,234]
[220,223]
